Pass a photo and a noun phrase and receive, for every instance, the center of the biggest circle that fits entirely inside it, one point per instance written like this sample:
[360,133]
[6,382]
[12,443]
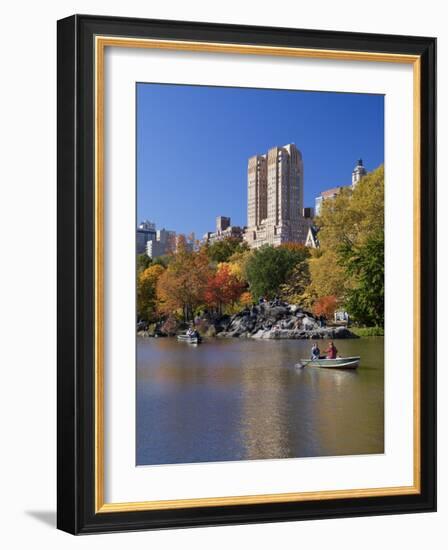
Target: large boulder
[308,323]
[276,312]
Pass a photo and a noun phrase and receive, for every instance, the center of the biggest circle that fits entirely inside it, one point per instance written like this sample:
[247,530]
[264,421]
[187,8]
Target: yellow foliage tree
[328,276]
[237,264]
[347,220]
[353,215]
[146,292]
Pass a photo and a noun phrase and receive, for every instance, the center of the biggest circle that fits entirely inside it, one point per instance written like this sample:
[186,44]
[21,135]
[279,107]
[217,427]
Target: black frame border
[76,263]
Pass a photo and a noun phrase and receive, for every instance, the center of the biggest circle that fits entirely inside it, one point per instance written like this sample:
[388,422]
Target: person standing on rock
[331,351]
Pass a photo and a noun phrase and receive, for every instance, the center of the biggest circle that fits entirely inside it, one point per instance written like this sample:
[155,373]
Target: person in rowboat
[331,351]
[315,352]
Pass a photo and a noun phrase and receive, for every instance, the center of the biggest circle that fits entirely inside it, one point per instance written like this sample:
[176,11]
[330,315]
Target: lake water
[235,399]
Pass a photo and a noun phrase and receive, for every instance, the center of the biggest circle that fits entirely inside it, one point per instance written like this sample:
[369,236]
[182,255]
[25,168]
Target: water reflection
[243,399]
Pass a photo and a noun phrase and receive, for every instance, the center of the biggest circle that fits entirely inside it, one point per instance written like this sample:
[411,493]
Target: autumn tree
[328,275]
[298,250]
[146,292]
[245,299]
[223,288]
[350,260]
[368,200]
[238,261]
[181,287]
[325,306]
[354,214]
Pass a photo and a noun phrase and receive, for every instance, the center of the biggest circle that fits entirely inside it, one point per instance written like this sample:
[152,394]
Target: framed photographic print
[246,271]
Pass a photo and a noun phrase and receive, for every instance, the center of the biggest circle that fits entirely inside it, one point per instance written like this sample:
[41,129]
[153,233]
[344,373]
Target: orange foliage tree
[325,306]
[181,287]
[223,288]
[246,299]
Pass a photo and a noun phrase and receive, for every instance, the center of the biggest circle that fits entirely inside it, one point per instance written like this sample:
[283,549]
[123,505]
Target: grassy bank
[367,331]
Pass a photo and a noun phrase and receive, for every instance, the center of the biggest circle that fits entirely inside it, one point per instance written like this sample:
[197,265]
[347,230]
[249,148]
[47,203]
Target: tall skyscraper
[275,198]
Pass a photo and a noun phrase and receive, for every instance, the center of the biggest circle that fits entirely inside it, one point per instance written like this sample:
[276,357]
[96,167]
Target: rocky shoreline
[265,321]
[280,321]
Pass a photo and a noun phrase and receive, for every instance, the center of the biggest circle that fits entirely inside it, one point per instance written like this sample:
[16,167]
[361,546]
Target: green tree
[297,281]
[268,268]
[365,301]
[162,260]
[143,261]
[220,251]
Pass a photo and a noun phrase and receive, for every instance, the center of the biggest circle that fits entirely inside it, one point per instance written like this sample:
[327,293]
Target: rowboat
[189,339]
[338,363]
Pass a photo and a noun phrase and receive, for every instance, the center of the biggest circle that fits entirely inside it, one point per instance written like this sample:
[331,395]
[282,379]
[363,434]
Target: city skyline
[193,144]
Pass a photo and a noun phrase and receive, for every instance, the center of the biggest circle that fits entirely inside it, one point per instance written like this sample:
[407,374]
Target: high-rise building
[146,231]
[154,242]
[155,248]
[167,238]
[275,198]
[147,226]
[164,243]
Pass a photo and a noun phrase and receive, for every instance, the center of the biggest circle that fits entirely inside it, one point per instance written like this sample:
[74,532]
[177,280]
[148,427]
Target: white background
[28,273]
[123,481]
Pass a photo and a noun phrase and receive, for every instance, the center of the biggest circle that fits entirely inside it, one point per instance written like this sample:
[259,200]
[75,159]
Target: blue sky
[193,143]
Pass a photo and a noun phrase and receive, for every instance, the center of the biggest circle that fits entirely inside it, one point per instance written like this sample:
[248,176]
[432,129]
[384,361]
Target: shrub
[368,331]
